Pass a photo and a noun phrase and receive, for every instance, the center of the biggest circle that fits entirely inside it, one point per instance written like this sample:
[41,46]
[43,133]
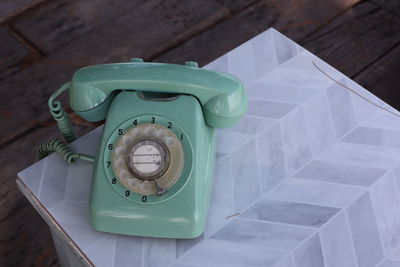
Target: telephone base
[179,213]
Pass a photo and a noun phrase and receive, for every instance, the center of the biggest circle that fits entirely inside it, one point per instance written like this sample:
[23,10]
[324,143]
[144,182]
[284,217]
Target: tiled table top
[312,173]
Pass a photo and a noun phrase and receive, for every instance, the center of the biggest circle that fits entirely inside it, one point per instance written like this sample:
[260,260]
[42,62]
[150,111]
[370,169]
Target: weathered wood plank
[356,39]
[56,23]
[299,18]
[236,5]
[26,240]
[382,79]
[391,5]
[13,53]
[147,30]
[215,42]
[296,19]
[10,8]
[24,236]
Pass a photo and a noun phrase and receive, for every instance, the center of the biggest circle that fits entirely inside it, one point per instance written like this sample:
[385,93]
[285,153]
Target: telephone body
[154,164]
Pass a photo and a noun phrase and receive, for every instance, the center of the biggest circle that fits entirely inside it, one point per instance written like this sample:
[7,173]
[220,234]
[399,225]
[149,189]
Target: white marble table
[313,170]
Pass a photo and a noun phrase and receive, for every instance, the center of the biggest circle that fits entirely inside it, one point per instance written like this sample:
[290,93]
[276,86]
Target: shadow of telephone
[154,164]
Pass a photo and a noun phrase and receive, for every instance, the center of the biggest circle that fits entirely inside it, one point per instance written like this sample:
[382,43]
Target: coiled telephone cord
[62,118]
[65,126]
[63,150]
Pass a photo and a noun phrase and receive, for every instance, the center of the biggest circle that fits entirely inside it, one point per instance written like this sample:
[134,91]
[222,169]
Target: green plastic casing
[201,101]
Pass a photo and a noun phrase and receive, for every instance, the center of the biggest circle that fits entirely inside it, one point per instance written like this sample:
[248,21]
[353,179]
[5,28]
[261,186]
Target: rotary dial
[148,159]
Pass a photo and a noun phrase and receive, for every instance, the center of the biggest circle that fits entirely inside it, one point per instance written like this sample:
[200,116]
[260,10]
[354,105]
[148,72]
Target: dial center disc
[149,159]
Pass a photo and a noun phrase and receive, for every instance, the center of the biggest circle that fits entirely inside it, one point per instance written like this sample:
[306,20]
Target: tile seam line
[114,250]
[288,256]
[349,164]
[259,179]
[142,252]
[39,192]
[273,37]
[346,217]
[310,180]
[285,161]
[367,194]
[234,205]
[374,211]
[363,190]
[255,245]
[275,100]
[380,128]
[370,145]
[386,259]
[310,228]
[321,245]
[232,185]
[332,124]
[256,117]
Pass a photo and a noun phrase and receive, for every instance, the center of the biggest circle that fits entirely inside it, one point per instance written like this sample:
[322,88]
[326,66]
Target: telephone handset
[221,96]
[154,164]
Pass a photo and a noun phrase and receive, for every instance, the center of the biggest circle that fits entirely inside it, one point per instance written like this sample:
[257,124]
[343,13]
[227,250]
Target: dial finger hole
[133,182]
[135,133]
[125,175]
[120,164]
[127,140]
[121,151]
[147,186]
[161,133]
[149,130]
[170,141]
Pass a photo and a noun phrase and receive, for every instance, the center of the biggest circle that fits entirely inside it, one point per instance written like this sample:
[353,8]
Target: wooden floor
[43,42]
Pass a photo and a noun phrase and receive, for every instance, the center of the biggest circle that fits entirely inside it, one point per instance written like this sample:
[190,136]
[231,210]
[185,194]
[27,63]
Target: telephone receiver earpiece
[221,95]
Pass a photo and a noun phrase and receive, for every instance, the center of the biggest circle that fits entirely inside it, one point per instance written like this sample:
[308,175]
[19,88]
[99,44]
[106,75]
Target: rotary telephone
[154,164]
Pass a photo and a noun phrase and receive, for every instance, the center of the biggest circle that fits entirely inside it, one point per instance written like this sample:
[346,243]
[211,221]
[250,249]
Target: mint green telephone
[154,164]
